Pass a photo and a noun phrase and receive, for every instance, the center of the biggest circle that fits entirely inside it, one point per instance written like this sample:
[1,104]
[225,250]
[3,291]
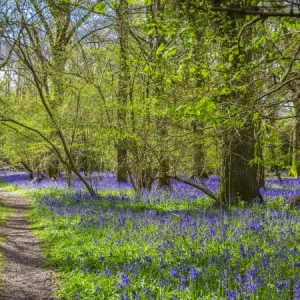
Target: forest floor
[23,276]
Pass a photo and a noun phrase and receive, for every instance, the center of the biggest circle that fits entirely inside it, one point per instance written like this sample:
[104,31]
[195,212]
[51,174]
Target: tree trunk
[164,181]
[239,176]
[28,169]
[122,15]
[259,153]
[52,169]
[296,141]
[199,162]
[122,164]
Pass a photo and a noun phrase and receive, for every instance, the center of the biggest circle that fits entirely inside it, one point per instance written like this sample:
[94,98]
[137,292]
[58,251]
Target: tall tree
[124,74]
[239,174]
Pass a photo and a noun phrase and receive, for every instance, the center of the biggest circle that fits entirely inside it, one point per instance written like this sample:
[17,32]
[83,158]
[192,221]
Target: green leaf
[231,57]
[169,81]
[100,8]
[130,1]
[148,2]
[204,73]
[160,49]
[114,4]
[193,70]
[151,31]
[170,52]
[147,68]
[225,91]
[242,58]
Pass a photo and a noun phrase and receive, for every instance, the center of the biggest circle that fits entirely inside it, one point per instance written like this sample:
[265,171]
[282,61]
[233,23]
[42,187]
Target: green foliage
[100,7]
[5,212]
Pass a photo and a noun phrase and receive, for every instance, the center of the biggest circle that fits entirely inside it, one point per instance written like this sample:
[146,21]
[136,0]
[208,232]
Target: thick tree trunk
[296,141]
[239,176]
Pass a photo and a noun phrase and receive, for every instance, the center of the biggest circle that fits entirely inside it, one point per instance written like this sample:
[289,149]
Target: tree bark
[199,169]
[259,153]
[122,15]
[296,140]
[239,176]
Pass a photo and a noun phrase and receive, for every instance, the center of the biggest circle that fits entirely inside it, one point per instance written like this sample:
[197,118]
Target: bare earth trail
[24,276]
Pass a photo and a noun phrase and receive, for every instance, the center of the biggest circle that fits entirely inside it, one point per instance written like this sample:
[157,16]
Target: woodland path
[24,276]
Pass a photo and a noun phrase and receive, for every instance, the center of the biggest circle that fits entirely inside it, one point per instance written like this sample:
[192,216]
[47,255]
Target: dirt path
[24,275]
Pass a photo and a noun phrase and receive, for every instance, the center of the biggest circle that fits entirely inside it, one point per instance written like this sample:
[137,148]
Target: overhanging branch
[261,13]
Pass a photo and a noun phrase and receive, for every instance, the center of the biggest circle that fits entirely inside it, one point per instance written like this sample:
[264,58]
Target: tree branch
[199,187]
[291,65]
[276,89]
[261,13]
[4,119]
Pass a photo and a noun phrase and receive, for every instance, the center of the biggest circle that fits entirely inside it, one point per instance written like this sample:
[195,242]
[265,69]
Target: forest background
[153,90]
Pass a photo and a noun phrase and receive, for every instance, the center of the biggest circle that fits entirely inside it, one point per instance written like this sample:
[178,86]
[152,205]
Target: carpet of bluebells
[166,244]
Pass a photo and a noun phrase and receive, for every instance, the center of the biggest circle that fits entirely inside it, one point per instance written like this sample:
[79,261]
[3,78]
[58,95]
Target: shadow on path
[24,276]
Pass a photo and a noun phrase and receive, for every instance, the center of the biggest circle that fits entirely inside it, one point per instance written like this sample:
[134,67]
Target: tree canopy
[153,89]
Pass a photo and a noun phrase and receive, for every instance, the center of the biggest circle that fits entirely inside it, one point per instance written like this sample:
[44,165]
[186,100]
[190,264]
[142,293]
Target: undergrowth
[115,246]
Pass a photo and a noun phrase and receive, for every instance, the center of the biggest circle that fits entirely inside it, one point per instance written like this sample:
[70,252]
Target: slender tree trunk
[199,162]
[199,168]
[259,153]
[164,181]
[122,15]
[28,169]
[296,140]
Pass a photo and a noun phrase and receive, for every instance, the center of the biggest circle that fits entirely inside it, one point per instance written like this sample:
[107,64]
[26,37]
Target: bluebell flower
[148,260]
[173,272]
[107,272]
[282,285]
[162,282]
[168,244]
[193,273]
[232,295]
[125,280]
[159,248]
[297,265]
[125,296]
[162,264]
[86,269]
[256,226]
[242,251]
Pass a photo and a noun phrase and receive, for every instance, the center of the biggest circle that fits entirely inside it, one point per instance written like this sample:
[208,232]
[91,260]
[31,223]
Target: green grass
[5,212]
